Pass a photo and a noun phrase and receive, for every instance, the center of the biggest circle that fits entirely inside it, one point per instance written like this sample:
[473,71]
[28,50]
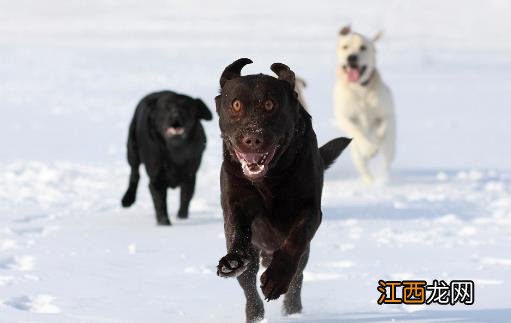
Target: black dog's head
[259,116]
[176,116]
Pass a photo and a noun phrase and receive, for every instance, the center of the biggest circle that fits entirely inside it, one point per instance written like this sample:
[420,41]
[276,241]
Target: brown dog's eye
[363,48]
[236,106]
[269,105]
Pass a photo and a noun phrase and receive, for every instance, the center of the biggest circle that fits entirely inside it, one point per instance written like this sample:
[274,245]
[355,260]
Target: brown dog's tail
[332,149]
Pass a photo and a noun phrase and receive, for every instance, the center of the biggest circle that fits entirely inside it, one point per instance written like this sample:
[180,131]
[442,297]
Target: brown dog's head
[258,116]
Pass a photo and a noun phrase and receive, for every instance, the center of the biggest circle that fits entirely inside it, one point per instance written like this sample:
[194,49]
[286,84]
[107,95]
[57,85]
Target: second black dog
[166,135]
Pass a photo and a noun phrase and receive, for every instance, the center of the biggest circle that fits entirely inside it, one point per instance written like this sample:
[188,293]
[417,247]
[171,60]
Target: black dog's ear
[203,111]
[284,73]
[233,70]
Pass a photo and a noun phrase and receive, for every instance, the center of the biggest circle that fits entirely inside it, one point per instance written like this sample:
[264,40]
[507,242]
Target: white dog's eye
[363,48]
[345,47]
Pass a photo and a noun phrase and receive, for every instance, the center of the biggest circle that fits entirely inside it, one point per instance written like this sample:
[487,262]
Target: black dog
[166,135]
[271,183]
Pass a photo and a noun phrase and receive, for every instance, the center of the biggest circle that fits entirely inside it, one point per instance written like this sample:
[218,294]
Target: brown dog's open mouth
[255,165]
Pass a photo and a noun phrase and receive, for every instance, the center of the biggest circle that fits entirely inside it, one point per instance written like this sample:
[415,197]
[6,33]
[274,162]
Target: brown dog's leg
[265,259]
[293,299]
[254,308]
[275,281]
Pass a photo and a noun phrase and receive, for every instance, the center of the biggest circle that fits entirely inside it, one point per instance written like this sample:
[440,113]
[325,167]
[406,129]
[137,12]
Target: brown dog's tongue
[353,74]
[254,167]
[251,158]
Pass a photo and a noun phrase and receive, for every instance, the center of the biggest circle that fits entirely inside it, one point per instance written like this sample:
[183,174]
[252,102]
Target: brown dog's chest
[265,235]
[270,229]
[282,206]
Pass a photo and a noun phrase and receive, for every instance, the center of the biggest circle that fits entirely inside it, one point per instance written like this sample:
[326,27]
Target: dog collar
[366,82]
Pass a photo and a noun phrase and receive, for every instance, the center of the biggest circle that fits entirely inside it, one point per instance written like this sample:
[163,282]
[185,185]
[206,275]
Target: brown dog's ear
[203,111]
[233,70]
[345,30]
[284,73]
[378,36]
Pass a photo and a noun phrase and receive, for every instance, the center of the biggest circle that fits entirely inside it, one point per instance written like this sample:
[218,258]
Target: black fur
[332,149]
[171,158]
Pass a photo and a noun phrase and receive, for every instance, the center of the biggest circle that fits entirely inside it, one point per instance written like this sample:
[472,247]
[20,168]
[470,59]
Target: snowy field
[71,73]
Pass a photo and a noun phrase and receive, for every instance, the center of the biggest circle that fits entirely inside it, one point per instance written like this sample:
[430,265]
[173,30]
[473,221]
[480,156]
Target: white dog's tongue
[353,74]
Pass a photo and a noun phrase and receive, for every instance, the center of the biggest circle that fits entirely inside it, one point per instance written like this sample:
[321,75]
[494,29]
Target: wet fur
[277,217]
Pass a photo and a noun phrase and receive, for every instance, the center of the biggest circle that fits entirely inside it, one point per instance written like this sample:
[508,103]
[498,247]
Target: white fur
[299,88]
[365,113]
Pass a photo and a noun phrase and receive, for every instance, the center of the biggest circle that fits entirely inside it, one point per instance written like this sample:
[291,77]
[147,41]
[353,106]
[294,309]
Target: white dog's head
[356,56]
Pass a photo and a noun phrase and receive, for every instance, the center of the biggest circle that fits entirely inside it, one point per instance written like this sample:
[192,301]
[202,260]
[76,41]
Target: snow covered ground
[71,73]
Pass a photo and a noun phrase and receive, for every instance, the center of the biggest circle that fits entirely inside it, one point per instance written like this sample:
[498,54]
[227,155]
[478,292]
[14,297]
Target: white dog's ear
[378,36]
[345,30]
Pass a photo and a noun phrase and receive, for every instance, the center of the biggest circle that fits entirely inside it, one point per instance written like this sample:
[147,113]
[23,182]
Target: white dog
[300,86]
[362,102]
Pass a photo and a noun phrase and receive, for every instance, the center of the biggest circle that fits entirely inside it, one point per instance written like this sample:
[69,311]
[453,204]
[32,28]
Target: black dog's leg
[159,195]
[254,308]
[293,299]
[187,190]
[134,162]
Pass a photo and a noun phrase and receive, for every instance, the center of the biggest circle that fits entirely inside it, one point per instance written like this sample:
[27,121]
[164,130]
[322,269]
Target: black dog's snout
[175,121]
[175,124]
[353,59]
[252,141]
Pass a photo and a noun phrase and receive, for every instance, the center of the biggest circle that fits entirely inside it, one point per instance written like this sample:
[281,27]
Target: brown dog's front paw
[276,279]
[273,286]
[231,265]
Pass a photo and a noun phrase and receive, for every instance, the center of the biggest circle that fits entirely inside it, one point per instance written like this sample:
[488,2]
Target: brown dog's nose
[252,141]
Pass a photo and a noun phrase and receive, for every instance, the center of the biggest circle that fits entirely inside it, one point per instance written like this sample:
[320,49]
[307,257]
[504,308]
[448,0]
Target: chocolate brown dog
[271,182]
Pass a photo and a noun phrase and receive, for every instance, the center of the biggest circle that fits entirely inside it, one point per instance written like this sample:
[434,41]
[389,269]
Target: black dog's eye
[236,106]
[269,105]
[363,48]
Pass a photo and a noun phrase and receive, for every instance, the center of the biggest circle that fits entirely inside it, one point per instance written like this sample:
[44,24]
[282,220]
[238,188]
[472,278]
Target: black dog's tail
[134,161]
[332,149]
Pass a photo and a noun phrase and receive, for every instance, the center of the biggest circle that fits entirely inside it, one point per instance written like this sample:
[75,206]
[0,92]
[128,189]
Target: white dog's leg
[360,162]
[360,138]
[388,152]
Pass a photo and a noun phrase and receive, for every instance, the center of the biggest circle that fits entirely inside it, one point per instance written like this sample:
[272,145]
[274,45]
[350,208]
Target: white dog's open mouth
[255,165]
[354,72]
